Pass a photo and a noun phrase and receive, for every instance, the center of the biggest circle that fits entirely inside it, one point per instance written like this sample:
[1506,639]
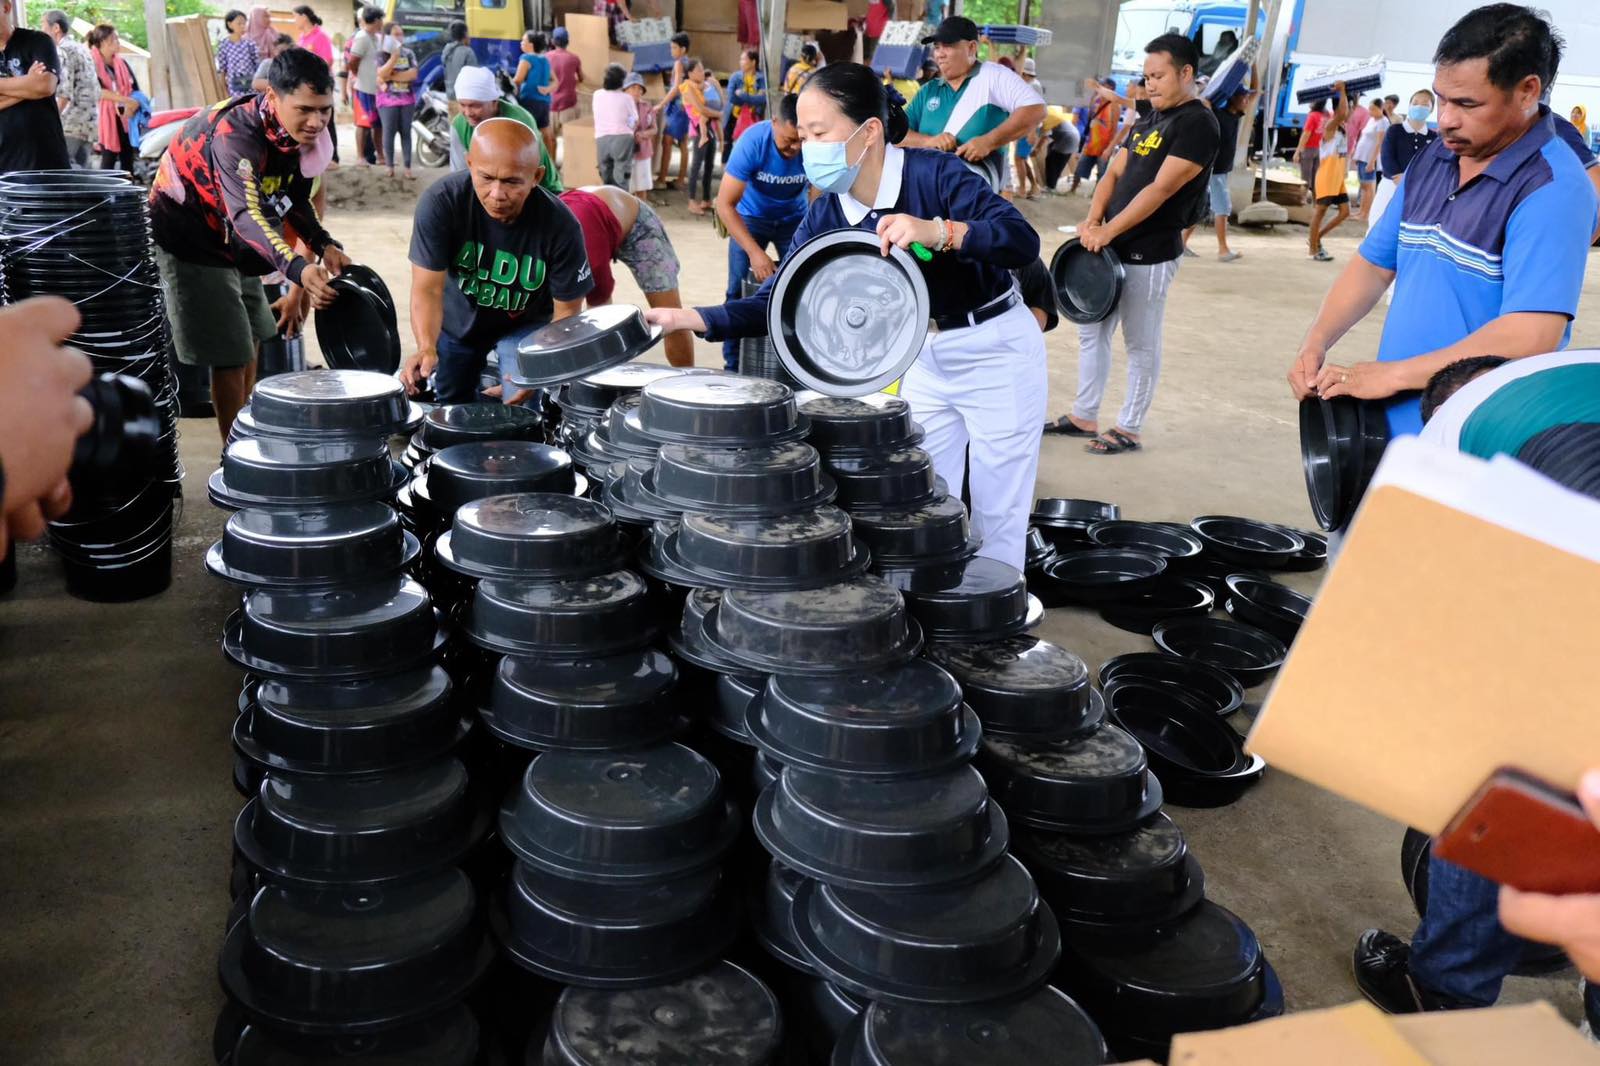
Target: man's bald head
[505,165]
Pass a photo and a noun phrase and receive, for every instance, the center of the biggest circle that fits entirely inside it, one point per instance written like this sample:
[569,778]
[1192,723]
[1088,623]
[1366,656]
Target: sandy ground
[115,801]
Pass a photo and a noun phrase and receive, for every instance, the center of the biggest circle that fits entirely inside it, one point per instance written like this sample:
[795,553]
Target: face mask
[1143,107]
[827,163]
[1418,113]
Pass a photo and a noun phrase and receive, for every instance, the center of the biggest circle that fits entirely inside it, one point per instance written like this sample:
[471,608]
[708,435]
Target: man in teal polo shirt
[1488,237]
[973,109]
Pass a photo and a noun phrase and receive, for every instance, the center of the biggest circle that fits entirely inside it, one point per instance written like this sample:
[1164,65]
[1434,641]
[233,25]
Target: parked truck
[1317,34]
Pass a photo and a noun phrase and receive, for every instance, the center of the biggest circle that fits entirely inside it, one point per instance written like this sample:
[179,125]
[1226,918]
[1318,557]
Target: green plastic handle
[921,252]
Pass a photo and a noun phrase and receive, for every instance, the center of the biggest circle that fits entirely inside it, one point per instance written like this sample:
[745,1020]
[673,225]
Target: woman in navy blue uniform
[980,380]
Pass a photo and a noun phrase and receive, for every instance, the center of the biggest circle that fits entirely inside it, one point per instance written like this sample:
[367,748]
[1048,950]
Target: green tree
[128,18]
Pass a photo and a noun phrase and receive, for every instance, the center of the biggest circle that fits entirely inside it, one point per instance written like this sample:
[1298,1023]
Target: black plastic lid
[905,721]
[990,939]
[721,1017]
[359,331]
[1169,541]
[632,817]
[808,549]
[889,835]
[977,599]
[727,715]
[1249,654]
[462,473]
[1144,875]
[312,547]
[1045,1027]
[1167,597]
[346,961]
[1099,783]
[1088,285]
[1268,605]
[269,472]
[846,319]
[450,1038]
[584,343]
[854,626]
[1212,688]
[608,703]
[337,403]
[1057,511]
[368,829]
[468,423]
[349,726]
[895,480]
[876,422]
[1246,541]
[935,533]
[613,936]
[772,915]
[774,479]
[1203,970]
[342,634]
[534,535]
[595,392]
[1022,685]
[1103,575]
[689,645]
[720,409]
[601,615]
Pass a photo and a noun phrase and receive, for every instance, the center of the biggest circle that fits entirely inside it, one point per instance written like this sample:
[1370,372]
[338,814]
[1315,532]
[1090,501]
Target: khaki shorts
[218,315]
[562,117]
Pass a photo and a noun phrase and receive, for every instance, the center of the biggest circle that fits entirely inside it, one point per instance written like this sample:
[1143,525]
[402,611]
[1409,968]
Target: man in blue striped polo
[1488,247]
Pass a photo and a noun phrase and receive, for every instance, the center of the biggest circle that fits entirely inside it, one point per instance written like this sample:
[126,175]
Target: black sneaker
[1382,967]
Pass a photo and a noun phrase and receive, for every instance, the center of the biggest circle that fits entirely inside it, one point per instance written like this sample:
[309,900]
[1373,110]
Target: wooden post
[155,23]
[777,22]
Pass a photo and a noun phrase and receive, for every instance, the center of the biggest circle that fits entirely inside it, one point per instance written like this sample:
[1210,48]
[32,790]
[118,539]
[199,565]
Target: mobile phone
[1520,831]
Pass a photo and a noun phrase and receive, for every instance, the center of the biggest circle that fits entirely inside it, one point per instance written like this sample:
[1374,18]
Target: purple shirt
[566,66]
[237,62]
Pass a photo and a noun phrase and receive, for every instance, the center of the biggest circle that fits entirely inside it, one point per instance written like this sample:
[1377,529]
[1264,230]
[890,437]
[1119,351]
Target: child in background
[644,140]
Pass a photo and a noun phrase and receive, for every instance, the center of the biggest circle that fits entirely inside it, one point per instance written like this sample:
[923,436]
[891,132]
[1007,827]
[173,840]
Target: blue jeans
[777,234]
[456,379]
[1460,950]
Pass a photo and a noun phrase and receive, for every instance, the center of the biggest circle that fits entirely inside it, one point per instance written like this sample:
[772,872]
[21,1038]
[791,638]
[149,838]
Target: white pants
[985,386]
[1141,310]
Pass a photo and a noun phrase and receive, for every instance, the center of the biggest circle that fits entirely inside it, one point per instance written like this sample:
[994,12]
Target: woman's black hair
[810,52]
[681,40]
[859,93]
[752,53]
[308,12]
[227,20]
[612,79]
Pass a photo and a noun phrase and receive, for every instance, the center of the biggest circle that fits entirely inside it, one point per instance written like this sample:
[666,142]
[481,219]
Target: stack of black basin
[358,859]
[85,235]
[470,423]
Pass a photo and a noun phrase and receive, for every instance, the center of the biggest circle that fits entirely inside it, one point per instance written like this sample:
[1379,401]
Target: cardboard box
[710,15]
[1361,1035]
[1454,634]
[718,51]
[591,43]
[818,15]
[579,164]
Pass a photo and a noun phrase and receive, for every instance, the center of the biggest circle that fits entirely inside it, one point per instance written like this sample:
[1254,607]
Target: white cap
[477,84]
[1028,66]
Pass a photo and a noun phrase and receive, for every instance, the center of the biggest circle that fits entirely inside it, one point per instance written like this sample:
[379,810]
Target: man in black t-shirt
[31,137]
[493,258]
[1228,113]
[1140,210]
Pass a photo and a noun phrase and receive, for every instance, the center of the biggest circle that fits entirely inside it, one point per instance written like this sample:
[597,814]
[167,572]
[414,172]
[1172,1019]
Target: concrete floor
[115,800]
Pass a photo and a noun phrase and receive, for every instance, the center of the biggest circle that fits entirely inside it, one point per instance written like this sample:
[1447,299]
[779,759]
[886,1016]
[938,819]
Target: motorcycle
[158,137]
[431,127]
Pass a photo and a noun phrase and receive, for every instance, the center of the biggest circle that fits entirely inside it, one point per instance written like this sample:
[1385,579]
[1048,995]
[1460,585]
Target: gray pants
[78,153]
[614,155]
[1141,310]
[396,123]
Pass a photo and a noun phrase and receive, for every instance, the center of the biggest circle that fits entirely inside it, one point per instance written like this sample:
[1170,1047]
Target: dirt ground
[115,800]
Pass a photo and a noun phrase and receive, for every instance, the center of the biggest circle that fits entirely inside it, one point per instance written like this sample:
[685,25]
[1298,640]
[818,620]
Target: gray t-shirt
[261,71]
[456,55]
[365,46]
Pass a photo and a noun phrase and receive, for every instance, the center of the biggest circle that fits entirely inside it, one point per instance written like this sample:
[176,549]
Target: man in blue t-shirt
[1488,236]
[761,200]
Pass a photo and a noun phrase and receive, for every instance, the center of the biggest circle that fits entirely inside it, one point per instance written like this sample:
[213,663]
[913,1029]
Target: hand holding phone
[1519,831]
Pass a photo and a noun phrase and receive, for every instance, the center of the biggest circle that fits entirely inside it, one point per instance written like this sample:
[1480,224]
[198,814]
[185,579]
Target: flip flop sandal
[1065,427]
[1111,442]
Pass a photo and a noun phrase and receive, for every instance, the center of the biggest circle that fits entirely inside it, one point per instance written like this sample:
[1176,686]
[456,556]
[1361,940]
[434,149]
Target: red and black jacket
[230,192]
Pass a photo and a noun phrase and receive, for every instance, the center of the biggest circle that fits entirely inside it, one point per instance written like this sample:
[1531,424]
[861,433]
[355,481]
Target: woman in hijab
[259,30]
[1580,119]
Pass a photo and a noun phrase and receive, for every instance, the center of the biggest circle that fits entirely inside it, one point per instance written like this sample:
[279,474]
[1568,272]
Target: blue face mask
[1418,112]
[827,163]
